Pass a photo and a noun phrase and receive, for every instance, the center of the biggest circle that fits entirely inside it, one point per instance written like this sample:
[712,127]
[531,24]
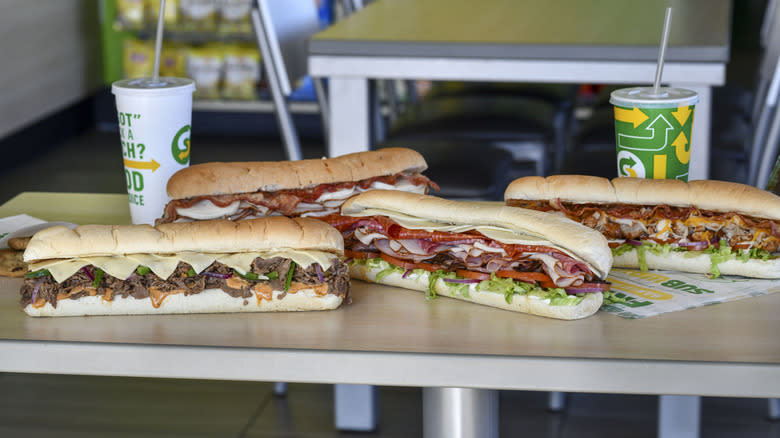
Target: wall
[49,58]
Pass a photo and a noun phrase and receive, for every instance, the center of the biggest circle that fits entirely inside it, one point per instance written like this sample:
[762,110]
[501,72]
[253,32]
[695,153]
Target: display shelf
[262,106]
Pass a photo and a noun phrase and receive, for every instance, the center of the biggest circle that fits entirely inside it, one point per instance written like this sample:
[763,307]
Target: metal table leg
[356,407]
[460,413]
[678,416]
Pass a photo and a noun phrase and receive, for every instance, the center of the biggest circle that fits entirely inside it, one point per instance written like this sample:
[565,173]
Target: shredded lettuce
[718,254]
[506,286]
[611,298]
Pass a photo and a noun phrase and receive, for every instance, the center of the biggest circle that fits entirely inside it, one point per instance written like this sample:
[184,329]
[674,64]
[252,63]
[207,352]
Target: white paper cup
[154,128]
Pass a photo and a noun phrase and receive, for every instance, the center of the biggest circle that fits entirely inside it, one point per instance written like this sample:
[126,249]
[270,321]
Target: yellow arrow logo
[634,115]
[185,153]
[154,165]
[682,152]
[682,114]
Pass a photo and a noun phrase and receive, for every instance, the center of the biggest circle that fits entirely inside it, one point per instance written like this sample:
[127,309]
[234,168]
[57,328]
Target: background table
[391,336]
[565,41]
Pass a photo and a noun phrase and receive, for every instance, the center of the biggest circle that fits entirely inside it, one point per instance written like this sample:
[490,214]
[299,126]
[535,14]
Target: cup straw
[662,52]
[158,43]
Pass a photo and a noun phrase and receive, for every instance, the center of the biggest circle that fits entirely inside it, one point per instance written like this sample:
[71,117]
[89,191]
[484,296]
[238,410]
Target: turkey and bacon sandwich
[487,253]
[257,265]
[315,188]
[711,227]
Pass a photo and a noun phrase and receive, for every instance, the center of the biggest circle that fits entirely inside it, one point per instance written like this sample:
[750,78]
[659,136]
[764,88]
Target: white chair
[763,144]
[282,28]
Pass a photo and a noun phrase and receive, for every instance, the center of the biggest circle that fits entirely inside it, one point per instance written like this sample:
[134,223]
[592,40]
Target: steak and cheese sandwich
[258,265]
[317,188]
[486,253]
[712,227]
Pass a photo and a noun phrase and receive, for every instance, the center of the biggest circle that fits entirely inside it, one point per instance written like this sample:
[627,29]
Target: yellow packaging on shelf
[170,15]
[234,17]
[173,60]
[130,14]
[198,15]
[137,58]
[242,72]
[204,66]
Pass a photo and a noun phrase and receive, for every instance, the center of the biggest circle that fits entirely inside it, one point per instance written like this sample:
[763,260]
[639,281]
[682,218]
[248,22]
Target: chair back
[764,139]
[288,24]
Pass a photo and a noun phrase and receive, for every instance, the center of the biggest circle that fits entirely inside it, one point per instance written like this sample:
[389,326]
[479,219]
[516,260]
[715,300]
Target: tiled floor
[85,407]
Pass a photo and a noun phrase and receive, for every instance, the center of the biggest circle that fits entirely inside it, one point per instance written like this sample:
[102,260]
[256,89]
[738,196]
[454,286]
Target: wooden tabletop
[395,336]
[613,30]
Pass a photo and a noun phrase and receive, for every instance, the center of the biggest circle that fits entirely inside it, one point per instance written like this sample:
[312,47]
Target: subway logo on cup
[653,131]
[180,146]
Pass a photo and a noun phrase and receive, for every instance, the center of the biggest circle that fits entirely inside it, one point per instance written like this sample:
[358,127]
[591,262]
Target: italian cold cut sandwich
[706,226]
[315,188]
[257,265]
[485,253]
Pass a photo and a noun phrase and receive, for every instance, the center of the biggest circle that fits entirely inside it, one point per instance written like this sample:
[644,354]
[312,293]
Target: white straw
[661,53]
[158,43]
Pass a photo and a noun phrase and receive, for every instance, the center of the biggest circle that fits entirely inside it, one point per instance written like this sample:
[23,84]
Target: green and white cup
[653,131]
[154,128]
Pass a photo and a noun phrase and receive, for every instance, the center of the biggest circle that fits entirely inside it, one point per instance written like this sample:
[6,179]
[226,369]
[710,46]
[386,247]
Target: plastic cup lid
[644,97]
[146,87]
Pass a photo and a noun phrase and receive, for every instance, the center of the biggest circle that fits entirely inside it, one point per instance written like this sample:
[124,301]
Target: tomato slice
[430,267]
[472,274]
[360,254]
[525,276]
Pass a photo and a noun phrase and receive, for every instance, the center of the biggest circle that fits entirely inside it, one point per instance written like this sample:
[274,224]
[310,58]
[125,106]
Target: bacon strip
[284,202]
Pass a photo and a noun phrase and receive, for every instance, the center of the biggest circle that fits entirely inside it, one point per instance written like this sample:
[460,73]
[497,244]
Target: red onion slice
[35,290]
[694,245]
[461,280]
[633,242]
[217,275]
[89,274]
[320,276]
[406,274]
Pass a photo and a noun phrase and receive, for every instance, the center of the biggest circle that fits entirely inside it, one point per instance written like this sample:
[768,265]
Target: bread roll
[719,196]
[205,236]
[520,303]
[248,177]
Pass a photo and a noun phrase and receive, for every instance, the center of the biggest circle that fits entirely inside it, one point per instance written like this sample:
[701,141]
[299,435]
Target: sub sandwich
[258,265]
[711,227]
[486,253]
[316,188]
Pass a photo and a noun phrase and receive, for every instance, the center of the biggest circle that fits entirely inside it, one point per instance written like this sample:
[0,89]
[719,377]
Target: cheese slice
[164,266]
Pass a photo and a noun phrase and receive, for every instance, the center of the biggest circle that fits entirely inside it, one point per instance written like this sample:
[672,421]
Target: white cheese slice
[163,266]
[206,209]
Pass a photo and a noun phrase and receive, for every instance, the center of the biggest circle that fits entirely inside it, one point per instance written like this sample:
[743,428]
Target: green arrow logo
[654,142]
[627,162]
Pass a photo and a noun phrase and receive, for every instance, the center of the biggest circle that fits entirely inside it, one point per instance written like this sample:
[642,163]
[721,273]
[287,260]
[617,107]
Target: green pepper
[37,274]
[289,276]
[191,273]
[273,275]
[98,277]
[142,270]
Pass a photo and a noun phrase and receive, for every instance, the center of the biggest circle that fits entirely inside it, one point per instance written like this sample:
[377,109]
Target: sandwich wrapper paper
[652,293]
[11,224]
